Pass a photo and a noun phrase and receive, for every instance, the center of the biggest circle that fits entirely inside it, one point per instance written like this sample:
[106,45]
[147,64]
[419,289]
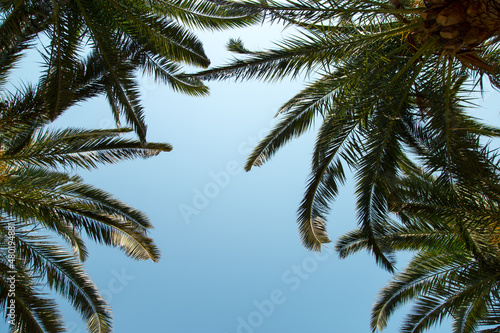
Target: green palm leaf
[40,198]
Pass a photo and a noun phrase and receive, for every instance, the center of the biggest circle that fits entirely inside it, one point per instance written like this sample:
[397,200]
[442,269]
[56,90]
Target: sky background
[232,261]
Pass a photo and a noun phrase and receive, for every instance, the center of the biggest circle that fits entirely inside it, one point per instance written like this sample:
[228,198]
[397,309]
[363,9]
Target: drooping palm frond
[33,312]
[108,41]
[18,32]
[79,148]
[444,279]
[305,53]
[38,261]
[66,206]
[452,226]
[40,199]
[206,14]
[65,275]
[389,79]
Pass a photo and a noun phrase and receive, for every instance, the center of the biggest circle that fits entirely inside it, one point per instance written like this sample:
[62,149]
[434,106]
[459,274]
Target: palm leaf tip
[256,160]
[313,234]
[259,161]
[157,148]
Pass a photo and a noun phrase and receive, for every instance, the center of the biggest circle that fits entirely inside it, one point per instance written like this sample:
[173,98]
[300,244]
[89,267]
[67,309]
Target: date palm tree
[453,228]
[455,272]
[383,73]
[106,42]
[41,204]
[89,48]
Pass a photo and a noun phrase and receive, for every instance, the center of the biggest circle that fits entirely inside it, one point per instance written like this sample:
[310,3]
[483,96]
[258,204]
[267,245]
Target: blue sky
[232,261]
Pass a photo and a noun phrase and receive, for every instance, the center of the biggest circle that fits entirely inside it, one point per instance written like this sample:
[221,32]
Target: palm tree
[456,269]
[93,47]
[386,76]
[453,229]
[104,43]
[41,204]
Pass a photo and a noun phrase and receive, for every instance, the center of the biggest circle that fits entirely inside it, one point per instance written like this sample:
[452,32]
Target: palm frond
[213,15]
[80,148]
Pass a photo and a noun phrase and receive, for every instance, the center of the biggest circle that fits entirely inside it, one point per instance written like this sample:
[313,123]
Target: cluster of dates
[463,24]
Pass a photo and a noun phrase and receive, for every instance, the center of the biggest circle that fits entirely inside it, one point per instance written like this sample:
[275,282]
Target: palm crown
[92,47]
[97,46]
[39,200]
[454,231]
[388,81]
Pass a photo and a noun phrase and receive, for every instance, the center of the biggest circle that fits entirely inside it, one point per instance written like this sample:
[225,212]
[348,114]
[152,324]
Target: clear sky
[231,261]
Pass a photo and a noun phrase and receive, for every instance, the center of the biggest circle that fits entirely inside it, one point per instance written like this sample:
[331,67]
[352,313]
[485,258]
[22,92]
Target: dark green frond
[214,15]
[81,148]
